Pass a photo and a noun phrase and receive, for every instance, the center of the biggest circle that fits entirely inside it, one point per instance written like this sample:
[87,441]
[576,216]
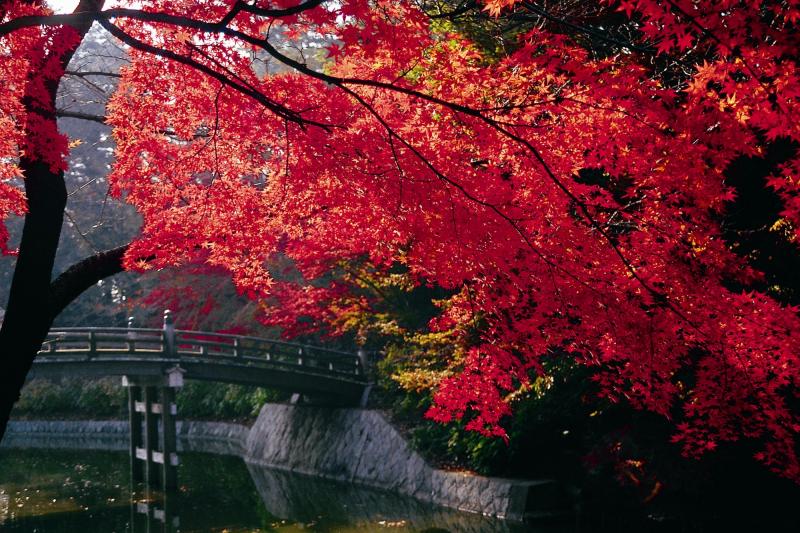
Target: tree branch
[82,275]
[28,21]
[455,12]
[63,113]
[285,12]
[80,74]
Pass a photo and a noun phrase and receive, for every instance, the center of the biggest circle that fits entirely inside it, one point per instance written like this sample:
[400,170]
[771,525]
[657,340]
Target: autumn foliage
[571,201]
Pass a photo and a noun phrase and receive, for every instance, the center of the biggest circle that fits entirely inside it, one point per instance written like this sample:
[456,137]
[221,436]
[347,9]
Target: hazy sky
[62,6]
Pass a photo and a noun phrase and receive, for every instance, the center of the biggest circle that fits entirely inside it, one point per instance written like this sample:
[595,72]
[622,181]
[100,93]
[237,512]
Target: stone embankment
[208,437]
[351,445]
[361,446]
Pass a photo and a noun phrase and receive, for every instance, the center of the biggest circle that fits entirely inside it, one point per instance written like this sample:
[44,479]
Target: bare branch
[92,73]
[63,113]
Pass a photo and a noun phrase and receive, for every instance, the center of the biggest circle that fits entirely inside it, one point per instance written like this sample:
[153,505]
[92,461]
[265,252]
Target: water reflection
[63,491]
[59,491]
[330,506]
[153,511]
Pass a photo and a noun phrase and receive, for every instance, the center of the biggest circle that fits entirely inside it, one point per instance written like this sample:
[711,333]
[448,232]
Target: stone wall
[360,446]
[213,437]
[208,437]
[77,434]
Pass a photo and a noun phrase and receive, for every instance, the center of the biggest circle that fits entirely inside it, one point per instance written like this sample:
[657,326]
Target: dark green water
[60,491]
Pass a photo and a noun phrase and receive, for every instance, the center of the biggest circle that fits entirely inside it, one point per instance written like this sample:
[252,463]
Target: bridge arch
[108,351]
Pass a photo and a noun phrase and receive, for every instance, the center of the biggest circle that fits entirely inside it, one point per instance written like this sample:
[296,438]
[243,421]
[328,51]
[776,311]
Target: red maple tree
[572,200]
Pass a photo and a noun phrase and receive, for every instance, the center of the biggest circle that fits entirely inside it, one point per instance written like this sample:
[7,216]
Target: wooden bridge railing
[171,343]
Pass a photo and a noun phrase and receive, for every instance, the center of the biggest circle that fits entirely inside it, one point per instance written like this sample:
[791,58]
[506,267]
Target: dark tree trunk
[28,313]
[30,308]
[21,337]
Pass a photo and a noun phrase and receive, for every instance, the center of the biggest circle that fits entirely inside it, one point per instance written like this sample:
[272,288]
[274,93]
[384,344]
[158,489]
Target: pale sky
[62,6]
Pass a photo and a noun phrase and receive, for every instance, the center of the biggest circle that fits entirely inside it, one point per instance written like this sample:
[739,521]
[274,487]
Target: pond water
[62,491]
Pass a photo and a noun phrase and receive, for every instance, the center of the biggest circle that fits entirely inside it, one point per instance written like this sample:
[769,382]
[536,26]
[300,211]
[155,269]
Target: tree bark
[28,313]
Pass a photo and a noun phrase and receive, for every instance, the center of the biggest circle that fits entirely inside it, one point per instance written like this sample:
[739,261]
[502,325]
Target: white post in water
[169,433]
[153,446]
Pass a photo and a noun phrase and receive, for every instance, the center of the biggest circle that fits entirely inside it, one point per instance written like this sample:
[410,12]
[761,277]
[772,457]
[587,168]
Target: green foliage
[496,37]
[106,398]
[72,398]
[222,401]
[453,446]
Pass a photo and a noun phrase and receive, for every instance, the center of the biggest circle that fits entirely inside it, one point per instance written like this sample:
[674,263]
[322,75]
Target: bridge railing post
[300,356]
[170,350]
[92,345]
[361,362]
[131,336]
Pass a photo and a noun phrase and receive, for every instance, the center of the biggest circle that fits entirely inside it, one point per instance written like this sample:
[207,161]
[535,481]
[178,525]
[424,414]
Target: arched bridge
[310,370]
[154,362]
